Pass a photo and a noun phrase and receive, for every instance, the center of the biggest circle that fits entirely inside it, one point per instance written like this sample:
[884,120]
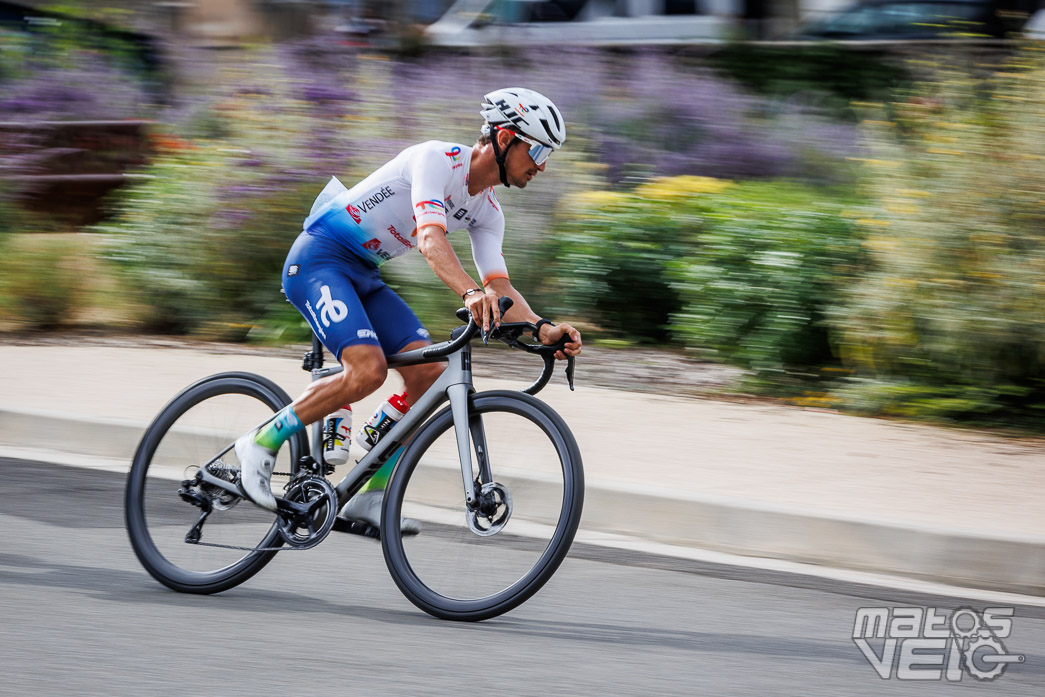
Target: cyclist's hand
[551,334]
[484,309]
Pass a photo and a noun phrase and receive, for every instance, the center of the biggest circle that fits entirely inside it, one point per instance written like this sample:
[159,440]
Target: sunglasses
[538,153]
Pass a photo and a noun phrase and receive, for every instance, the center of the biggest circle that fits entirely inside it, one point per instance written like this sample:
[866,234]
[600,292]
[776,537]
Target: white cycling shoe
[366,508]
[256,464]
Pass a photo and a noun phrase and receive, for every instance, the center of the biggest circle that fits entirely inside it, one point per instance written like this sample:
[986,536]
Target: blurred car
[921,19]
[591,22]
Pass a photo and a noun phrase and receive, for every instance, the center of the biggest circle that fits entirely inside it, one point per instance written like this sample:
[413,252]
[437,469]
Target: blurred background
[843,202]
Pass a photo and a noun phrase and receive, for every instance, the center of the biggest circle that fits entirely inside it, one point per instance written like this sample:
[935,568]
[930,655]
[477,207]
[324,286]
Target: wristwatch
[537,327]
[471,291]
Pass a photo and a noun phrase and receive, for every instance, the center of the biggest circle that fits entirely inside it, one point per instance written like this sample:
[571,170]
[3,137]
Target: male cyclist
[331,273]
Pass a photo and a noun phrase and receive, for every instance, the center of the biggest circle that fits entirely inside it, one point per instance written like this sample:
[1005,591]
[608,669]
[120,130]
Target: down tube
[429,402]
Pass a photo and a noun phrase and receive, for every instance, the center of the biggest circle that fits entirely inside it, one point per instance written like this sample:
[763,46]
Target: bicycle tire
[270,398]
[542,419]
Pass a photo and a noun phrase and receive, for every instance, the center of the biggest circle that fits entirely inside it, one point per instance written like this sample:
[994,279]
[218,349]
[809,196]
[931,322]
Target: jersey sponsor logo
[330,310]
[354,212]
[373,245]
[369,204]
[315,320]
[449,203]
[431,206]
[293,270]
[455,157]
[461,213]
[395,234]
[367,334]
[424,332]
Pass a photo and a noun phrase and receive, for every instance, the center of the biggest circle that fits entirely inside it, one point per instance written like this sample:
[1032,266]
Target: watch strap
[471,291]
[537,327]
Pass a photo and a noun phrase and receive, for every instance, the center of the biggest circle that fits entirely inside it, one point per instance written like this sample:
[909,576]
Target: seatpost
[317,351]
[313,359]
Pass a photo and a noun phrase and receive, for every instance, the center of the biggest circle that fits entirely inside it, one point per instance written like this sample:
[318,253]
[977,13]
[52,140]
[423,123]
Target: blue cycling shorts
[344,299]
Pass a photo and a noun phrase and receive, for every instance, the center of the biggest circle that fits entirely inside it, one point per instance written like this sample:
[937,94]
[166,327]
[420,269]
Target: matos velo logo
[914,643]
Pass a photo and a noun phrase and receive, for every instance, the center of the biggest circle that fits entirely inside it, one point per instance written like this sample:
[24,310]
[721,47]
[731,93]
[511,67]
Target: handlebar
[456,342]
[507,333]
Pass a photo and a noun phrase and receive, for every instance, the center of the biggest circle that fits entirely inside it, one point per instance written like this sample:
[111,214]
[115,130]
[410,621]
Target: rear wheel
[198,424]
[474,564]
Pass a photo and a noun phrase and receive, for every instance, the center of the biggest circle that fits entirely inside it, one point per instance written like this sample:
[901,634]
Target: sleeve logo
[431,206]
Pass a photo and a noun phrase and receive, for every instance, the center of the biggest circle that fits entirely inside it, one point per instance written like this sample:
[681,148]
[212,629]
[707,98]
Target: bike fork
[458,395]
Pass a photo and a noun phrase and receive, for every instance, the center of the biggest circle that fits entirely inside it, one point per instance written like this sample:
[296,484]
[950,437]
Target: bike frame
[454,385]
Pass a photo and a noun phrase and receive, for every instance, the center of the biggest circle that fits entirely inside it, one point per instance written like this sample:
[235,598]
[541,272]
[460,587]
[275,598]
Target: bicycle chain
[250,549]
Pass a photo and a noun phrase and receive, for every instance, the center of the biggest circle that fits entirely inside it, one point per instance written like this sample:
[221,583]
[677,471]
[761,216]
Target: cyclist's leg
[327,293]
[399,330]
[319,283]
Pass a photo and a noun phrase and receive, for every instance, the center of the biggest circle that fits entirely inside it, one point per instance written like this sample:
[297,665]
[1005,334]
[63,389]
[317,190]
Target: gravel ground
[637,370]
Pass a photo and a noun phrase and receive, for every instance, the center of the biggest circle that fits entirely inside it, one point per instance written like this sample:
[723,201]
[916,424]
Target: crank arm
[293,508]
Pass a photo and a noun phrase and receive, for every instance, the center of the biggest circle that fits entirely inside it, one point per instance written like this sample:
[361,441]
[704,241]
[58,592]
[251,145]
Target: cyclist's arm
[432,243]
[430,176]
[521,312]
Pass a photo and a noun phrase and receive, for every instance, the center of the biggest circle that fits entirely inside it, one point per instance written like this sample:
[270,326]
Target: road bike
[494,477]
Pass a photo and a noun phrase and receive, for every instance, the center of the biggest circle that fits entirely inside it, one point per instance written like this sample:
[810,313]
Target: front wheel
[474,564]
[197,425]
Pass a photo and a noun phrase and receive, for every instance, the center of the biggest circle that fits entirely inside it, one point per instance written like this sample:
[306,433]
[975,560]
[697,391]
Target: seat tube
[317,372]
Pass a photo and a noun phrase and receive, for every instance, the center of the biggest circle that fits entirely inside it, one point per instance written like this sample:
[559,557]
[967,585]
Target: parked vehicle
[922,19]
[590,22]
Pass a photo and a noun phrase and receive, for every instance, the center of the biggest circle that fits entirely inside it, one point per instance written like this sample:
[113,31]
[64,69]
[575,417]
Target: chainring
[307,531]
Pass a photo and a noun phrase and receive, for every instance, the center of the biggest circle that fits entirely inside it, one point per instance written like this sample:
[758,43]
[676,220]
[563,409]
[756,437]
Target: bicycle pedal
[356,527]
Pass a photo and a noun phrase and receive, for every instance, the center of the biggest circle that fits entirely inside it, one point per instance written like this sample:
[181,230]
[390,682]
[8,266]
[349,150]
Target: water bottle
[337,436]
[382,421]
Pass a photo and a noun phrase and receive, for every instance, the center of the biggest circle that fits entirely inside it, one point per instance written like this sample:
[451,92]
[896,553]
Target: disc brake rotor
[493,511]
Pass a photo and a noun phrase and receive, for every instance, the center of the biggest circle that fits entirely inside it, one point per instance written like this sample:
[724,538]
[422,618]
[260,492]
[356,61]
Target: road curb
[950,555]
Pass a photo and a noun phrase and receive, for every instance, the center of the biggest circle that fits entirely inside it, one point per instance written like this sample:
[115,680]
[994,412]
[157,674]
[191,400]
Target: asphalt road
[79,616]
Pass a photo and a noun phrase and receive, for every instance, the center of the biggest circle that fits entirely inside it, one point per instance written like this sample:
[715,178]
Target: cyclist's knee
[365,369]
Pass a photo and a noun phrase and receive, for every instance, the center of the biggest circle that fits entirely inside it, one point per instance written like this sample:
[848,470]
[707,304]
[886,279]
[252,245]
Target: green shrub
[40,283]
[757,280]
[203,239]
[613,251]
[739,272]
[954,297]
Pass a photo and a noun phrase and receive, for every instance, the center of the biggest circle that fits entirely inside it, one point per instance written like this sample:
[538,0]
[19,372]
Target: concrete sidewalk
[822,488]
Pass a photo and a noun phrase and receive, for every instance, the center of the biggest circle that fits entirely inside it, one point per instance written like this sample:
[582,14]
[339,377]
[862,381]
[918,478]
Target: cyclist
[413,201]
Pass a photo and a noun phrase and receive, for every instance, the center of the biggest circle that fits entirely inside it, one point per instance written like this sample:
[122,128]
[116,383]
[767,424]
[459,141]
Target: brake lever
[570,365]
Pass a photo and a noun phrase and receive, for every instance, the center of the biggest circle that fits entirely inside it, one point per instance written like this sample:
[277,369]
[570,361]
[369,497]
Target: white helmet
[532,115]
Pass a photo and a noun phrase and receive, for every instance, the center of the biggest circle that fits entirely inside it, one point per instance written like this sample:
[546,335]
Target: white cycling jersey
[426,184]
